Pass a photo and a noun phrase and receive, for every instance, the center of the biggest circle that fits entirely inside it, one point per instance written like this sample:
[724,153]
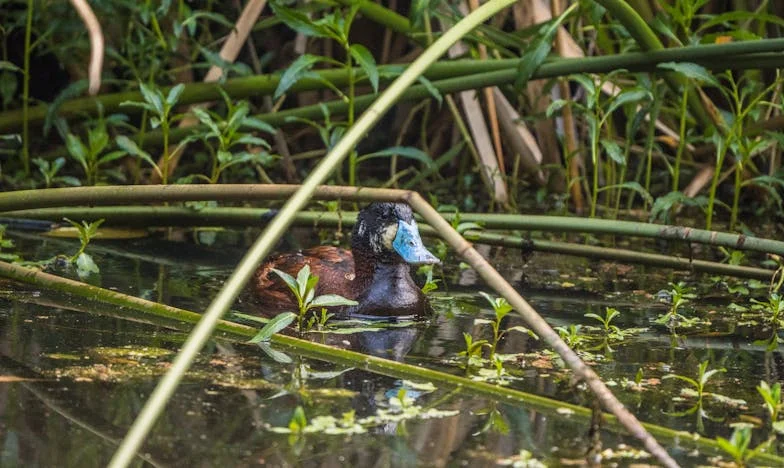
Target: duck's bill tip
[408,244]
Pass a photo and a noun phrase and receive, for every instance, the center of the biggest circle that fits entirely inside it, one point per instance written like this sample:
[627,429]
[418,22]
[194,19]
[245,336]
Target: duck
[376,272]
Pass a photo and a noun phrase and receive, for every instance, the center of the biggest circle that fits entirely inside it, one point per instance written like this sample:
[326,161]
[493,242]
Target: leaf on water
[273,326]
[85,265]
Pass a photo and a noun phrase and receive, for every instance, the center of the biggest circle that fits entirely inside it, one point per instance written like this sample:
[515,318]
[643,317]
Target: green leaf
[257,124]
[131,148]
[76,149]
[332,300]
[692,71]
[538,51]
[404,151]
[431,88]
[273,326]
[109,157]
[174,95]
[303,278]
[630,95]
[589,85]
[778,426]
[236,118]
[555,106]
[614,151]
[85,265]
[152,97]
[206,119]
[298,421]
[365,60]
[289,280]
[299,22]
[296,71]
[277,356]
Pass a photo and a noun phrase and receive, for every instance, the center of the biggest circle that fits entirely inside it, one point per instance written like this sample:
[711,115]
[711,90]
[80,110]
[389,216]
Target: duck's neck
[388,289]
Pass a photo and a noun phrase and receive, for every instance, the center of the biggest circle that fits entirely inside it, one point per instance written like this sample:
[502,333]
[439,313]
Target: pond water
[74,373]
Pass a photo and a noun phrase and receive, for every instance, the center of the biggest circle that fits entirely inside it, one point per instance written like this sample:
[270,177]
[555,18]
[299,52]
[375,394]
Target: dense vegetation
[655,133]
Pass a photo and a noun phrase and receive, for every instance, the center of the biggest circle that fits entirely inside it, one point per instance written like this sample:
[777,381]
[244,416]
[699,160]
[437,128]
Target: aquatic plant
[160,108]
[83,261]
[91,155]
[303,287]
[771,394]
[500,310]
[703,376]
[738,445]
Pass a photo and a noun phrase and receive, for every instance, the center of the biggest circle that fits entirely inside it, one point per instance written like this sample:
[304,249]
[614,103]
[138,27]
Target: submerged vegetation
[614,118]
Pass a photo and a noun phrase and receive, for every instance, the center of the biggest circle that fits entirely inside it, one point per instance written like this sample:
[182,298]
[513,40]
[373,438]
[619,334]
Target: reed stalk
[146,216]
[715,56]
[136,194]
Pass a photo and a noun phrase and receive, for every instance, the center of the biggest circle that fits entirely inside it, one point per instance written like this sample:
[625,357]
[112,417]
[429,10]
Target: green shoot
[703,376]
[303,287]
[501,308]
[83,261]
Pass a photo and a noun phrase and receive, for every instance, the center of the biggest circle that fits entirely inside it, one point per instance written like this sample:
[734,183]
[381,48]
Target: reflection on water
[73,374]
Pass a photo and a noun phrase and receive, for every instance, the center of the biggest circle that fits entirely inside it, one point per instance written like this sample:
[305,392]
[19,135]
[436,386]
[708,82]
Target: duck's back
[333,266]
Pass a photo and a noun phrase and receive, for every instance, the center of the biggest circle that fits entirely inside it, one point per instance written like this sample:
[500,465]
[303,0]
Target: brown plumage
[376,272]
[333,266]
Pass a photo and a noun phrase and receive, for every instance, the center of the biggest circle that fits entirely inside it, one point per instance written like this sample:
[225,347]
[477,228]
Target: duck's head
[389,233]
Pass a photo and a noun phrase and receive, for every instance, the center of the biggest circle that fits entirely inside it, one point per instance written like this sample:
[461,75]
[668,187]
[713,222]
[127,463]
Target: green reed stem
[746,54]
[136,194]
[150,216]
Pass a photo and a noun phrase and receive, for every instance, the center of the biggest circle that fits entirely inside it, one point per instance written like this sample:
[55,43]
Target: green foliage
[91,155]
[303,287]
[160,110]
[85,265]
[6,244]
[500,309]
[738,445]
[698,384]
[227,134]
[275,325]
[49,171]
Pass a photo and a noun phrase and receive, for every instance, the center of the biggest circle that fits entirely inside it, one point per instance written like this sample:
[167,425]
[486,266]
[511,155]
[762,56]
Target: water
[74,373]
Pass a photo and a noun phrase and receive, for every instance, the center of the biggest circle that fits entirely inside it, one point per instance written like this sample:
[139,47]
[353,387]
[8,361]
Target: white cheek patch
[388,236]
